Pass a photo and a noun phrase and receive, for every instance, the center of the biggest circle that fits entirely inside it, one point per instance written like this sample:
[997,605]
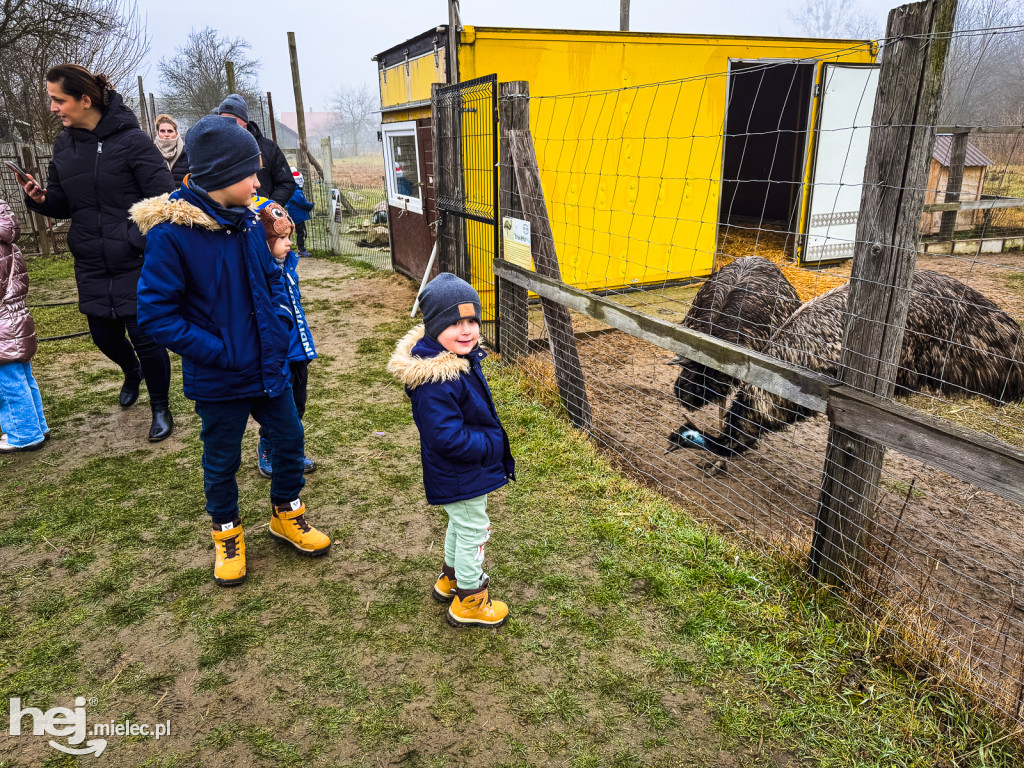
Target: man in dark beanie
[276,182]
[211,292]
[464,448]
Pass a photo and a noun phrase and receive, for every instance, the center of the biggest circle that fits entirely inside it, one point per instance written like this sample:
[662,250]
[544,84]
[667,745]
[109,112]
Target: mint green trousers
[468,531]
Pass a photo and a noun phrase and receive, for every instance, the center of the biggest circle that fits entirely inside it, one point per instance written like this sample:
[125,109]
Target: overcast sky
[336,39]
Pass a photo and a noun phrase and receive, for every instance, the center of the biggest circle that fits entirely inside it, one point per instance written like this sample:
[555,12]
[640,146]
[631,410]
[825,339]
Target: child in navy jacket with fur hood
[464,449]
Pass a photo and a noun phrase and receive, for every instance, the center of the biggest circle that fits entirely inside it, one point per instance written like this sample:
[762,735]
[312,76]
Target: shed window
[401,157]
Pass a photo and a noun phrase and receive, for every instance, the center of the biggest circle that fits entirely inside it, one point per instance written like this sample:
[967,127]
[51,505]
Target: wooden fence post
[143,111]
[954,183]
[273,120]
[304,157]
[40,223]
[513,300]
[561,339]
[229,71]
[902,134]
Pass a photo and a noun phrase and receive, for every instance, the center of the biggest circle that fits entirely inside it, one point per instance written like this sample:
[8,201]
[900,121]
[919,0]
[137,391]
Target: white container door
[840,154]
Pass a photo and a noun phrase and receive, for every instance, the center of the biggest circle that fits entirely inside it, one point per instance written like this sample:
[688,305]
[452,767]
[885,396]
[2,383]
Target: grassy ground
[638,638]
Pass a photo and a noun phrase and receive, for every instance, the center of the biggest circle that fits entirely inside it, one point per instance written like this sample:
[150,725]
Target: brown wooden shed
[975,165]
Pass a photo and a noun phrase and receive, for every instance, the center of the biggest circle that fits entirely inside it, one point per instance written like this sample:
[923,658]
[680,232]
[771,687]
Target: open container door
[840,154]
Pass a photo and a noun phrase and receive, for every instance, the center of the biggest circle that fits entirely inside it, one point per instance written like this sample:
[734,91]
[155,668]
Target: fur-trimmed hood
[156,210]
[414,371]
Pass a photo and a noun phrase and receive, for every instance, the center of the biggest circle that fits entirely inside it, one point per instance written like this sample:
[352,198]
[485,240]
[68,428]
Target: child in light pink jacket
[21,410]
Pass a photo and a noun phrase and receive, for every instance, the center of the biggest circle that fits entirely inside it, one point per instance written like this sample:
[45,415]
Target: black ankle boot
[163,424]
[130,389]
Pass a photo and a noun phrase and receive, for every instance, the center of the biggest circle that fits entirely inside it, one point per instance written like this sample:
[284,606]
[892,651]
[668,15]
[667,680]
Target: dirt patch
[359,172]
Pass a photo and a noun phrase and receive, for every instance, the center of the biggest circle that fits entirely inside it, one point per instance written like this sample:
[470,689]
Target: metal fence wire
[32,227]
[660,236]
[466,141]
[349,215]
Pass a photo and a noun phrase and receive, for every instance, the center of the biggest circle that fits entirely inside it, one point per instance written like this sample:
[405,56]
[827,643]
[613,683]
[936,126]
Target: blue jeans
[223,426]
[21,409]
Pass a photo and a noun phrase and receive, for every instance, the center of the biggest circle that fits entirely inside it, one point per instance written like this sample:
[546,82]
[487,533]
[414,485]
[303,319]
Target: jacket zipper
[99,223]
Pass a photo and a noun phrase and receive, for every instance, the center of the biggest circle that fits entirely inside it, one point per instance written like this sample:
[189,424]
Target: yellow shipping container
[647,142]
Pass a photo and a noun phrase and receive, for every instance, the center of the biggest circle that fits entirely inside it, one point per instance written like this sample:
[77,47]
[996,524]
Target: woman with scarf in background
[172,147]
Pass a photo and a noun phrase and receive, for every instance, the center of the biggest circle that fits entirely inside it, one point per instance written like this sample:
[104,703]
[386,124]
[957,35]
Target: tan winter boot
[229,553]
[473,608]
[444,588]
[288,523]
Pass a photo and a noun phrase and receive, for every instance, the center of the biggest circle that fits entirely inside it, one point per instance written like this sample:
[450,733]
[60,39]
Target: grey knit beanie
[233,105]
[220,152]
[445,301]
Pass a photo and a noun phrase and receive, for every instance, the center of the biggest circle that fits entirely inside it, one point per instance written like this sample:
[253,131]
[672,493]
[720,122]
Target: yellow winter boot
[288,523]
[229,557]
[473,608]
[444,587]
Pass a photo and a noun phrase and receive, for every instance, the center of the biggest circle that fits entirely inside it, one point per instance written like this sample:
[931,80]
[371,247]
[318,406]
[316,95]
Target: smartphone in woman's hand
[21,174]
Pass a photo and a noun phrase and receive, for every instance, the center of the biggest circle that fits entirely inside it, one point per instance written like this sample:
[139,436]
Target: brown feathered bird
[957,341]
[744,303]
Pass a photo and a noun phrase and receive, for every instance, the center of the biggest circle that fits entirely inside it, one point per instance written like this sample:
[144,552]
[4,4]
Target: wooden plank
[954,183]
[564,355]
[776,376]
[513,299]
[976,205]
[965,454]
[896,174]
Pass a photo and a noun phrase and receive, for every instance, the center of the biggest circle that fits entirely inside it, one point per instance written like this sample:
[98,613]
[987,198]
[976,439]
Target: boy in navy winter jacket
[300,341]
[211,292]
[464,448]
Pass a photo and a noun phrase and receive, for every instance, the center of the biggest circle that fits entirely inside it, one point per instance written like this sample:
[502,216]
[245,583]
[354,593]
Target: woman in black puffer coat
[103,164]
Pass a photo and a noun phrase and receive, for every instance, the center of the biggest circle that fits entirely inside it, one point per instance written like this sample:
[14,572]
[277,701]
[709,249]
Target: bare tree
[985,63]
[108,36]
[834,18]
[26,20]
[194,79]
[356,106]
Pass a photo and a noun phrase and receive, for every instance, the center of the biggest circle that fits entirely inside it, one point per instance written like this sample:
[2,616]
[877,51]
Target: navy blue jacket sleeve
[161,301]
[448,436]
[299,200]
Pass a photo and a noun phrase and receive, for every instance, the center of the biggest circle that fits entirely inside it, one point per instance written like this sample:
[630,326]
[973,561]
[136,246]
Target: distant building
[287,138]
[975,166]
[318,124]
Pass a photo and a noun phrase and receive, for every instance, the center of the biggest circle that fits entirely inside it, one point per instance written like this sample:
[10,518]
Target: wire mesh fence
[34,229]
[350,210]
[705,273]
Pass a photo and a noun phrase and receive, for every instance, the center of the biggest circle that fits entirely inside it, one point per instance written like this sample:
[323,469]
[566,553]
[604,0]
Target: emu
[743,303]
[957,341]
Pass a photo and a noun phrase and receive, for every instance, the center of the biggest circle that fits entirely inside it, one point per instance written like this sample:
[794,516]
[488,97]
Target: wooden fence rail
[964,454]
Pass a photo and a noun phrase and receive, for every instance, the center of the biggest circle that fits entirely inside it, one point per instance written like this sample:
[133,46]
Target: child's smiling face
[462,337]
